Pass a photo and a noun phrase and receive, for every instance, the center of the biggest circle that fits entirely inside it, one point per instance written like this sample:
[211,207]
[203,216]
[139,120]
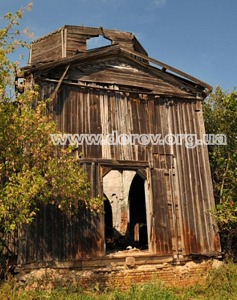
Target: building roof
[172,74]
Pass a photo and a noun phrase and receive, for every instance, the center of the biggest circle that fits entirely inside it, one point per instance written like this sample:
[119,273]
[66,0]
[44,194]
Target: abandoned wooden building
[158,196]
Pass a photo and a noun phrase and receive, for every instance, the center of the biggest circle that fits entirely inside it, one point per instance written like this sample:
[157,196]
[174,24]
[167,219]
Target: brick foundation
[187,273]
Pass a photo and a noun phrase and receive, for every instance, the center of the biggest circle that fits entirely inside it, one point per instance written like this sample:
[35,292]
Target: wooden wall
[70,40]
[47,49]
[179,178]
[55,236]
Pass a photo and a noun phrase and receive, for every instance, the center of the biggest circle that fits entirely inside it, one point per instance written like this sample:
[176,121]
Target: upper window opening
[97,42]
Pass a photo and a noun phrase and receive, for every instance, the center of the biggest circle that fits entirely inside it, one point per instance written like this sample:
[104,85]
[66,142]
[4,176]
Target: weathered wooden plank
[200,221]
[183,190]
[194,238]
[160,207]
[167,67]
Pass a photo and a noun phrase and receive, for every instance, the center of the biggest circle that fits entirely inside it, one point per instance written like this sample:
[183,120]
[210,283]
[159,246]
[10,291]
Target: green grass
[220,284]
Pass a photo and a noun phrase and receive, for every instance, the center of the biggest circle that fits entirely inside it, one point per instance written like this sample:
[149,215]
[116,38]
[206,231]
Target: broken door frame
[143,172]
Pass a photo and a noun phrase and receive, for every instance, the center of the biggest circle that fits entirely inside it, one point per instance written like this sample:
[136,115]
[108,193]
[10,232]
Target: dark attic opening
[138,222]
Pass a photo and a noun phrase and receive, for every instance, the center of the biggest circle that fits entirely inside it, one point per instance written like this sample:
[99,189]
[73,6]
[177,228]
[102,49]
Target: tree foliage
[220,112]
[32,169]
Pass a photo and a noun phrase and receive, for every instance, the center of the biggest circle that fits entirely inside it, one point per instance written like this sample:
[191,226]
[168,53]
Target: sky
[198,37]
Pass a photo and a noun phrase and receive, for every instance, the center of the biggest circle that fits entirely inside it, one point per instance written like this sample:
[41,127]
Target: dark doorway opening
[138,222]
[125,222]
[108,221]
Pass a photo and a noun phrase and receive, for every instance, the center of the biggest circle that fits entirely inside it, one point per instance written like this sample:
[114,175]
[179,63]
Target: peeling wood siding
[179,181]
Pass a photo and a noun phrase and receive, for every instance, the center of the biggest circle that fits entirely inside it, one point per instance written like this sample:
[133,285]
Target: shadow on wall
[55,236]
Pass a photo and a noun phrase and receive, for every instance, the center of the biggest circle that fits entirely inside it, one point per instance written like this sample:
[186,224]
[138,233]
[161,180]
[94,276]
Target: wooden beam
[145,91]
[167,67]
[59,83]
[116,163]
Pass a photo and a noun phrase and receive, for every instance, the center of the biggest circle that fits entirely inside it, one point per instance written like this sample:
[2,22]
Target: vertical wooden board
[146,121]
[159,148]
[69,240]
[163,107]
[59,111]
[120,154]
[98,129]
[161,213]
[112,114]
[78,129]
[203,186]
[54,238]
[91,124]
[67,235]
[31,243]
[208,197]
[158,232]
[143,125]
[139,125]
[67,123]
[93,121]
[106,149]
[200,218]
[86,121]
[168,221]
[133,148]
[80,109]
[99,219]
[128,124]
[48,233]
[125,126]
[63,111]
[151,122]
[74,234]
[73,110]
[178,180]
[194,239]
[21,257]
[60,233]
[173,202]
[181,178]
[188,220]
[101,240]
[119,150]
[122,125]
[40,232]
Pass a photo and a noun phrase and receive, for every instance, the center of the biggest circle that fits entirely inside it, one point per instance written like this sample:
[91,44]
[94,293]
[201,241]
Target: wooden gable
[119,72]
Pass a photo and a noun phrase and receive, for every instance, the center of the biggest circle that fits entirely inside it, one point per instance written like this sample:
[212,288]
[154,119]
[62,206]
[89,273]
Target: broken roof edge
[96,31]
[116,49]
[47,35]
